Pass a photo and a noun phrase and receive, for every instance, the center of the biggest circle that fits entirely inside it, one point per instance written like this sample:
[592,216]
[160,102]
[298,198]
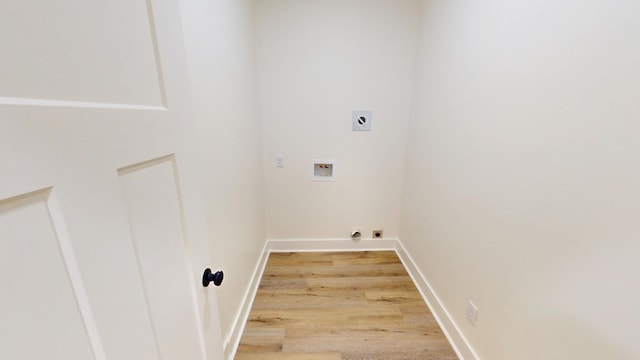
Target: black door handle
[209,277]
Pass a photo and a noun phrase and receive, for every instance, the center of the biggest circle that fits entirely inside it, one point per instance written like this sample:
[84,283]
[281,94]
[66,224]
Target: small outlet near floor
[472,313]
[377,234]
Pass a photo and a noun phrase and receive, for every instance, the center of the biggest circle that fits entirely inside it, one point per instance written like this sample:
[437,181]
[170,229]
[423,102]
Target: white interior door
[102,233]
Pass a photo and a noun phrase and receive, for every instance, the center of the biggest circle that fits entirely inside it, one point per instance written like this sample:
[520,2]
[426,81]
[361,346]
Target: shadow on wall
[583,307]
[575,339]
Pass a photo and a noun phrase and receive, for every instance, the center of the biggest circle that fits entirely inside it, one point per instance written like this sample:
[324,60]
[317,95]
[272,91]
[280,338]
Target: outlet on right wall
[522,178]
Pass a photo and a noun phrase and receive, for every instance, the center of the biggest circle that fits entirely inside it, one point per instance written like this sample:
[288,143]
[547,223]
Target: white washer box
[323,170]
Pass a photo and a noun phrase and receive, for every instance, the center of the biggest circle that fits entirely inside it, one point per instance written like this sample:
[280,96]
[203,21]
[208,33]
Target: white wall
[521,189]
[318,61]
[222,64]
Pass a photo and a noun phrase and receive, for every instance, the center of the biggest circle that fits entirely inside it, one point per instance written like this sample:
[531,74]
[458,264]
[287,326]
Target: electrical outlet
[376,234]
[472,313]
[279,161]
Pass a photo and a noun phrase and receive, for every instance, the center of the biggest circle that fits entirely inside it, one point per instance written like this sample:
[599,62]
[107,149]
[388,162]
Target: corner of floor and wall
[457,340]
[501,163]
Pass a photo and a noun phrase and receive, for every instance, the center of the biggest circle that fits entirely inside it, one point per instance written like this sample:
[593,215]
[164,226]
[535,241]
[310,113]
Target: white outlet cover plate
[361,120]
[472,313]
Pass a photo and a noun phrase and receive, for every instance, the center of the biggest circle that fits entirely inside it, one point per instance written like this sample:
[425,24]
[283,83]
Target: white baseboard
[444,319]
[331,245]
[232,341]
[457,340]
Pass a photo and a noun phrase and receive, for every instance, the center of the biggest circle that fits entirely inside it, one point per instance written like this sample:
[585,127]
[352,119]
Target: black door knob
[209,277]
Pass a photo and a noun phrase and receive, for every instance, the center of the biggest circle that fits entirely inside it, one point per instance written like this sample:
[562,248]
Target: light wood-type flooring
[340,306]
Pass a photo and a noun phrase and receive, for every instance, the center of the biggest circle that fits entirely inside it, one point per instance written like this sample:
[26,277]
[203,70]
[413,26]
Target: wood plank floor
[340,306]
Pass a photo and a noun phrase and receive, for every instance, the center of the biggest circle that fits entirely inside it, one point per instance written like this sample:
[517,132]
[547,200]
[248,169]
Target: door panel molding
[85,52]
[77,104]
[159,236]
[25,212]
[64,241]
[156,53]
